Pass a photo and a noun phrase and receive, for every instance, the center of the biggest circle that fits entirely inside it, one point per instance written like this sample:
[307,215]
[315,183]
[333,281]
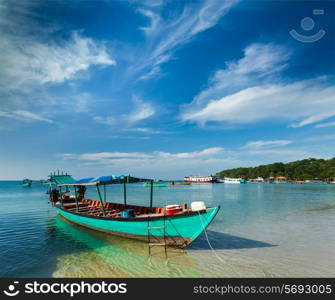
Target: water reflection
[106,255]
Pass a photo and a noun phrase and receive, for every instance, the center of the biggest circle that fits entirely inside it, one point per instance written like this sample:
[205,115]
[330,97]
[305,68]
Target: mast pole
[105,192]
[124,192]
[102,205]
[61,198]
[151,192]
[76,197]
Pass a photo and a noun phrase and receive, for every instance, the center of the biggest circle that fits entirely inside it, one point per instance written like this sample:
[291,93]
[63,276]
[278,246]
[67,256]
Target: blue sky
[163,88]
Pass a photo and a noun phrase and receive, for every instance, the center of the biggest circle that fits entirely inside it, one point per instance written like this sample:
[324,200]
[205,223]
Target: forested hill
[311,168]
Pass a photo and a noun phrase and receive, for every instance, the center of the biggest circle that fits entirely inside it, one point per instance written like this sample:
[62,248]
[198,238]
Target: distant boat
[156,184]
[172,225]
[180,183]
[280,179]
[27,182]
[233,180]
[256,180]
[200,179]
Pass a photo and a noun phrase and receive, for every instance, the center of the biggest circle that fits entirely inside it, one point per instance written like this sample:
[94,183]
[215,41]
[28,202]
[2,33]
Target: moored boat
[233,180]
[156,184]
[26,183]
[175,225]
[200,179]
[180,183]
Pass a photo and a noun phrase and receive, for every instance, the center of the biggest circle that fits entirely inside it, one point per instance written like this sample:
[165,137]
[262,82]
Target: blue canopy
[109,179]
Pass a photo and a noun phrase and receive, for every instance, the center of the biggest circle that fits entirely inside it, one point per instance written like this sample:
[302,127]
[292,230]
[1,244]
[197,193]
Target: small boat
[280,180]
[233,180]
[179,183]
[26,183]
[156,184]
[256,180]
[200,179]
[171,225]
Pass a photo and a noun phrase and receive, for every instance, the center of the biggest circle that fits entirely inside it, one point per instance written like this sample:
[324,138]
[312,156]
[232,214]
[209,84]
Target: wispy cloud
[323,125]
[185,162]
[166,34]
[266,144]
[153,18]
[24,115]
[141,111]
[103,156]
[214,151]
[205,161]
[252,90]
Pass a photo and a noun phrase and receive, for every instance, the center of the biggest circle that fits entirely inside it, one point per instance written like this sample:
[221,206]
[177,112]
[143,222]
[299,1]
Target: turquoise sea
[262,230]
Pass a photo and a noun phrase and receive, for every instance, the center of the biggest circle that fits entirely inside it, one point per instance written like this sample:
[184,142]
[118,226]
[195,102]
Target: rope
[209,243]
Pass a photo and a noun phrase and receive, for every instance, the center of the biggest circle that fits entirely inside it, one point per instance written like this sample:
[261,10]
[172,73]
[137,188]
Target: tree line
[306,169]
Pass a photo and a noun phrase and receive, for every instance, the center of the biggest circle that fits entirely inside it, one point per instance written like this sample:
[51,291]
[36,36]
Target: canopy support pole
[76,197]
[105,192]
[151,192]
[124,192]
[61,198]
[102,205]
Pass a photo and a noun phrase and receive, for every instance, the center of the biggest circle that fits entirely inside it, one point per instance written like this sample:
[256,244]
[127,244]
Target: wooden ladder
[153,244]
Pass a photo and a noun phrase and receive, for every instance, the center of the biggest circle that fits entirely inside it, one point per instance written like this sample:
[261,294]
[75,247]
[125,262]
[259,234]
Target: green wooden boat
[146,223]
[26,183]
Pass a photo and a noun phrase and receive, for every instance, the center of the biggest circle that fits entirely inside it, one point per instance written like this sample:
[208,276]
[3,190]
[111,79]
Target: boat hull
[156,185]
[180,230]
[201,181]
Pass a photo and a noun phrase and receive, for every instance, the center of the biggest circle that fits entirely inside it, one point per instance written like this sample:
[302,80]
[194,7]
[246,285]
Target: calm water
[262,230]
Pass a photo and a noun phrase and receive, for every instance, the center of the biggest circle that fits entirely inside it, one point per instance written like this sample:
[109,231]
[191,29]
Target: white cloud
[306,102]
[202,162]
[33,57]
[104,155]
[206,161]
[203,153]
[27,62]
[266,144]
[23,115]
[260,64]
[251,90]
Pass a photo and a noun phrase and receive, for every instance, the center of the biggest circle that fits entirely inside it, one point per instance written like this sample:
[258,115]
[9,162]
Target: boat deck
[89,207]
